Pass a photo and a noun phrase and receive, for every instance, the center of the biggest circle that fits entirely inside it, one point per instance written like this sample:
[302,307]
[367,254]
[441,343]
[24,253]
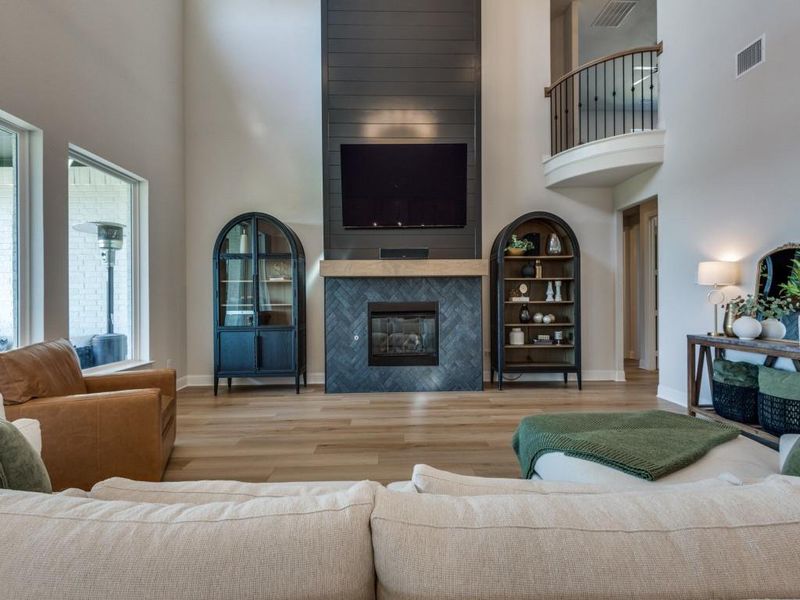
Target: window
[103,256]
[9,238]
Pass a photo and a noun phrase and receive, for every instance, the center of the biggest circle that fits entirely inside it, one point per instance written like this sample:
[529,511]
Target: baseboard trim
[182,382]
[672,395]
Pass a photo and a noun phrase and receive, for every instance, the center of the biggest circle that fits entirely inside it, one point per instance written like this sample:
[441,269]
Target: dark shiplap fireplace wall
[400,71]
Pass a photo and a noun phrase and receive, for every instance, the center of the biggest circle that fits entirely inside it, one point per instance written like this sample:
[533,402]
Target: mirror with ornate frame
[775,270]
[778,275]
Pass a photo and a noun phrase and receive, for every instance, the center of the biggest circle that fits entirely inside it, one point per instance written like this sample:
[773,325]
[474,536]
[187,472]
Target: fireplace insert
[403,334]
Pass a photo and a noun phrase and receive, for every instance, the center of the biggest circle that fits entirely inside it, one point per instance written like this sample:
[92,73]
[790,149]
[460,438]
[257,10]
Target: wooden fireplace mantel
[405,268]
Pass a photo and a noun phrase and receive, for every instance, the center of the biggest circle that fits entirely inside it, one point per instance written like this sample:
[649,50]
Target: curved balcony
[604,120]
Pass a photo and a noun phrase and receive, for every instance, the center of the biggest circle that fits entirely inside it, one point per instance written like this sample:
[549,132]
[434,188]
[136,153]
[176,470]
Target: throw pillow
[741,374]
[32,430]
[21,467]
[791,466]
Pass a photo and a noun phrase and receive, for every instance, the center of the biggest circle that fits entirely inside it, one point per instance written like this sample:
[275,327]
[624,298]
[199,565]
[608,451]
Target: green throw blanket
[648,444]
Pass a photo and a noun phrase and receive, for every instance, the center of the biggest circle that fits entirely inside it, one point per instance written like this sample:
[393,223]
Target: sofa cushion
[202,492]
[743,459]
[40,371]
[21,467]
[428,480]
[290,548]
[31,430]
[732,542]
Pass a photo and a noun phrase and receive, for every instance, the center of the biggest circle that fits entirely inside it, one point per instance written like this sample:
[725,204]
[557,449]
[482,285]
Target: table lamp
[717,274]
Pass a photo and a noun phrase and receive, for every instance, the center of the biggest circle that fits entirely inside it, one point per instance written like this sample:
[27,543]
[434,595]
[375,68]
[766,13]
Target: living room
[225,222]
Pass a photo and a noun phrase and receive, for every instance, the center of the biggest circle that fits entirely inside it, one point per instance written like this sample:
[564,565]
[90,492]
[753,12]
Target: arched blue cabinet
[259,301]
[547,333]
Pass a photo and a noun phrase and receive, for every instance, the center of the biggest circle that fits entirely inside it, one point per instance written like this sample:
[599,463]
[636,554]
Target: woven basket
[778,415]
[735,402]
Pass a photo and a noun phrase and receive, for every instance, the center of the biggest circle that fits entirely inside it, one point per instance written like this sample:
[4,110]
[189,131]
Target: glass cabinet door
[275,276]
[236,292]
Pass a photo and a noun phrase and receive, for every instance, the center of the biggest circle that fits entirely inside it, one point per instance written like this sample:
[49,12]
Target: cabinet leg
[565,379]
[500,380]
[580,381]
[216,385]
[491,376]
[305,379]
[297,383]
[230,382]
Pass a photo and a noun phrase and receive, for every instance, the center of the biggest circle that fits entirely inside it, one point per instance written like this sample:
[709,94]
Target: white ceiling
[638,28]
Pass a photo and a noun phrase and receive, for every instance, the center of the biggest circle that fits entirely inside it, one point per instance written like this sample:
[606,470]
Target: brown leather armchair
[93,428]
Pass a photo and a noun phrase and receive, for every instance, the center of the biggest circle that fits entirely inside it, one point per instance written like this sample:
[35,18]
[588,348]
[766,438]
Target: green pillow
[21,467]
[781,384]
[741,374]
[791,466]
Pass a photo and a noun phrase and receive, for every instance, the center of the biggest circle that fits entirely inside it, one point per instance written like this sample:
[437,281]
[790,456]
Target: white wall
[728,187]
[105,75]
[253,143]
[253,140]
[516,135]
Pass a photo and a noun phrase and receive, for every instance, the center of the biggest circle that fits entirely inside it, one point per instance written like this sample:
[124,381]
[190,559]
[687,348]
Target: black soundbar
[403,253]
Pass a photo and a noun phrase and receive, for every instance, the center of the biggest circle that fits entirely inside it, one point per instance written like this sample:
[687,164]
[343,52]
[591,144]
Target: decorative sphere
[538,318]
[547,319]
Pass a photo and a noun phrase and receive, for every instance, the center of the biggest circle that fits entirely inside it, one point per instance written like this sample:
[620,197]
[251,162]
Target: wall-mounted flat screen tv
[404,185]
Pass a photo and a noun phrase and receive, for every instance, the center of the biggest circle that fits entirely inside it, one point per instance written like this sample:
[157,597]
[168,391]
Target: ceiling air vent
[750,57]
[614,13]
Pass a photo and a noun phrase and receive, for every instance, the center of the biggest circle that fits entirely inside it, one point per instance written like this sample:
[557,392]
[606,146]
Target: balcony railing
[609,96]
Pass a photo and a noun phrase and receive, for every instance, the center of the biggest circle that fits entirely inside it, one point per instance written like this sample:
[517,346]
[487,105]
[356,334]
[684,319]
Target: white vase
[746,328]
[516,337]
[772,329]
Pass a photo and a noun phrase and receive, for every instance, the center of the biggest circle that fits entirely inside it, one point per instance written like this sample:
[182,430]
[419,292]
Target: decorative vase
[515,251]
[524,314]
[516,337]
[550,294]
[772,329]
[727,322]
[553,244]
[746,328]
[528,270]
[538,271]
[538,318]
[558,291]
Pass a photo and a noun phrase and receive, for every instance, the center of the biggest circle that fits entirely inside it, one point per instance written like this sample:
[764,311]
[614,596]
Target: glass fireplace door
[403,334]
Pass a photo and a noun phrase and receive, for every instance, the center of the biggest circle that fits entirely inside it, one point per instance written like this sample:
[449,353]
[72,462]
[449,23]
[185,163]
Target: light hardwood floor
[271,434]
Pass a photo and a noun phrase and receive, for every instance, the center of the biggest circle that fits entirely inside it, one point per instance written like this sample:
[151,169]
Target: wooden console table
[702,361]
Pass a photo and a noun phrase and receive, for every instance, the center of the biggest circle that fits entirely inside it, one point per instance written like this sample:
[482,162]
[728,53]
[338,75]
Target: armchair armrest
[163,379]
[90,437]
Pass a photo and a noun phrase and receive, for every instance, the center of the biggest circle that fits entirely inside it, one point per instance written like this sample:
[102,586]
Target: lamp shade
[717,272]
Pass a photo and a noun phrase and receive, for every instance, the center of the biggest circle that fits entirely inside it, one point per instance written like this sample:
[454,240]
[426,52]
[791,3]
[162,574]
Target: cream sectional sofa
[452,537]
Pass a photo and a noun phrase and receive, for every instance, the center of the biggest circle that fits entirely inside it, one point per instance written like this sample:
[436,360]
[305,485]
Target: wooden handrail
[658,49]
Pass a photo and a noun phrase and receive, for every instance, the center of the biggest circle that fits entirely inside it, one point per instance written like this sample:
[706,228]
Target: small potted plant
[744,311]
[773,310]
[517,246]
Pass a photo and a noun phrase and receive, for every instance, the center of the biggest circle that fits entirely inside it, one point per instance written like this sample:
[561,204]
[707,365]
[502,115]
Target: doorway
[640,287]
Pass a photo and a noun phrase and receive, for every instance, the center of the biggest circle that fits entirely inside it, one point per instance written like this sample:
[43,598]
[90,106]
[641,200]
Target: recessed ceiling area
[597,29]
[638,28]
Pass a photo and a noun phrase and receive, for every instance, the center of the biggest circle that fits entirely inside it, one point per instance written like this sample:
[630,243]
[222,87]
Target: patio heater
[107,347]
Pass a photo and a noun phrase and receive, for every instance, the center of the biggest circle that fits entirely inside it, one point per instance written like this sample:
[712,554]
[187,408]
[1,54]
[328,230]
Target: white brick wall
[7,257]
[95,196]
